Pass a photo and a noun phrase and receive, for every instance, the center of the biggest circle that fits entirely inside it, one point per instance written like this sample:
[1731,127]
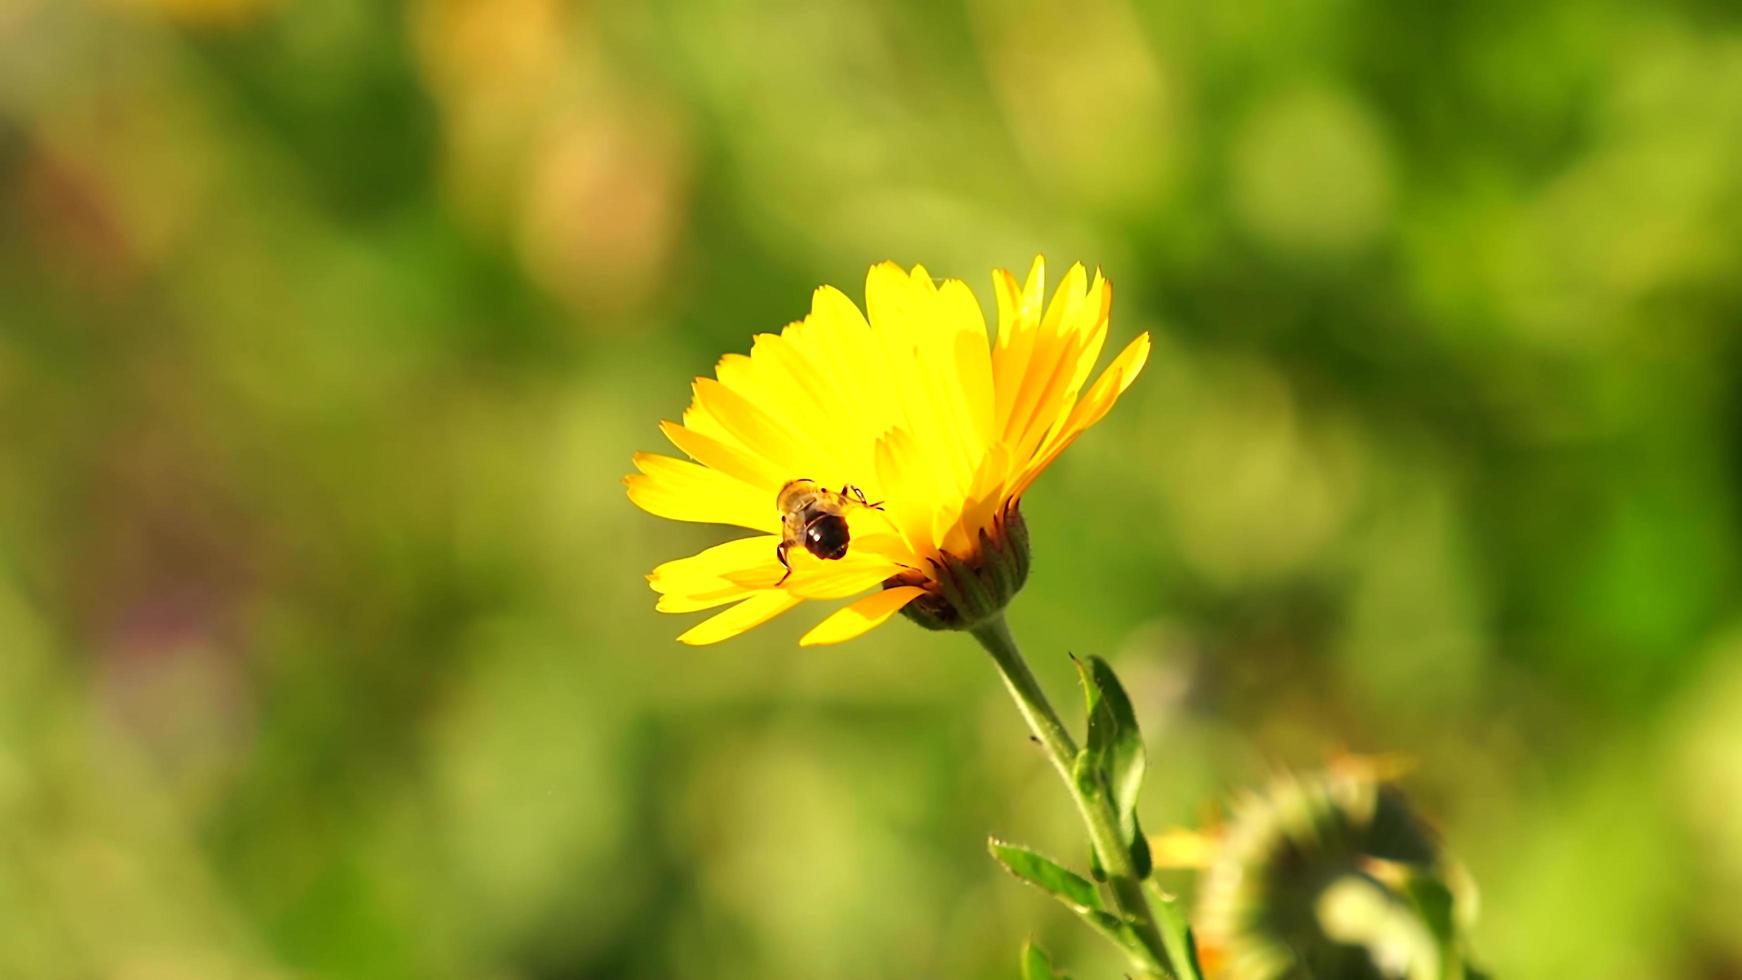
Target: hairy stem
[1096,810]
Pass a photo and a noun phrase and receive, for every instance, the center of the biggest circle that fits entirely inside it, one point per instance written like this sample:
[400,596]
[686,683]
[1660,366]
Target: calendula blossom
[912,403]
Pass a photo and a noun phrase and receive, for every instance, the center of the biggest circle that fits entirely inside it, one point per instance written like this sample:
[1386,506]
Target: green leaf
[1086,773]
[1071,889]
[1092,786]
[1141,862]
[1115,751]
[1114,734]
[1193,966]
[1176,934]
[1036,965]
[1044,873]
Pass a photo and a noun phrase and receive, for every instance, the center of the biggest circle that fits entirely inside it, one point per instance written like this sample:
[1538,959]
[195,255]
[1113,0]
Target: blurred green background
[327,328]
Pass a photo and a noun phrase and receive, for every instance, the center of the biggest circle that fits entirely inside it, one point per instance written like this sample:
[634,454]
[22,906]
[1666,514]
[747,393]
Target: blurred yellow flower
[912,404]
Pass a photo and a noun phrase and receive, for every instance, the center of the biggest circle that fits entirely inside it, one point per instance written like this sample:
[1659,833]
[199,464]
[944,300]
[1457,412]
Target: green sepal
[1036,965]
[964,592]
[998,565]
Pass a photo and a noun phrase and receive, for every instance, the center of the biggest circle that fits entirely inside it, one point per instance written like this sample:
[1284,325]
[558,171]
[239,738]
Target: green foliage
[1076,892]
[1037,965]
[1071,889]
[1113,760]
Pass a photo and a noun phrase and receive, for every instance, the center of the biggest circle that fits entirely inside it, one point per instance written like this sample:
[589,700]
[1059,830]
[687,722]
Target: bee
[816,518]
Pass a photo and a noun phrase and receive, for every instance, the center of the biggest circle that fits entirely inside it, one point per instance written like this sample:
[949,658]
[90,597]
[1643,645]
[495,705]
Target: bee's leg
[780,553]
[854,491]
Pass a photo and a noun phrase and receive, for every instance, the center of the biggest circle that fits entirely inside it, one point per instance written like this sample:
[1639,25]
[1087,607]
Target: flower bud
[1325,874]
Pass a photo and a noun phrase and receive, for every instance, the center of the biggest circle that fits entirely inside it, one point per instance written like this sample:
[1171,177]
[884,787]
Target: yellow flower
[915,406]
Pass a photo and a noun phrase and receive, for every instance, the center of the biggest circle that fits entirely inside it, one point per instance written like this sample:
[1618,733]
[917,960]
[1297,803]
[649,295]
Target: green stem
[1175,933]
[1096,810]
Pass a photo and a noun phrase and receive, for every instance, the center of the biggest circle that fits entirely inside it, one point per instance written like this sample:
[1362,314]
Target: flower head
[917,429]
[1331,873]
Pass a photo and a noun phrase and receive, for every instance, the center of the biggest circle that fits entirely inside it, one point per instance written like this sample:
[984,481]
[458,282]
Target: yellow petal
[874,555]
[837,413]
[1008,293]
[1111,384]
[675,603]
[716,567]
[728,458]
[984,499]
[953,334]
[757,431]
[1094,406]
[1041,405]
[1089,326]
[815,578]
[902,472]
[805,397]
[1052,363]
[904,312]
[1034,290]
[840,579]
[831,307]
[973,361]
[1087,335]
[1067,299]
[879,536]
[680,490]
[752,612]
[781,357]
[1098,313]
[889,299]
[1018,326]
[850,621]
